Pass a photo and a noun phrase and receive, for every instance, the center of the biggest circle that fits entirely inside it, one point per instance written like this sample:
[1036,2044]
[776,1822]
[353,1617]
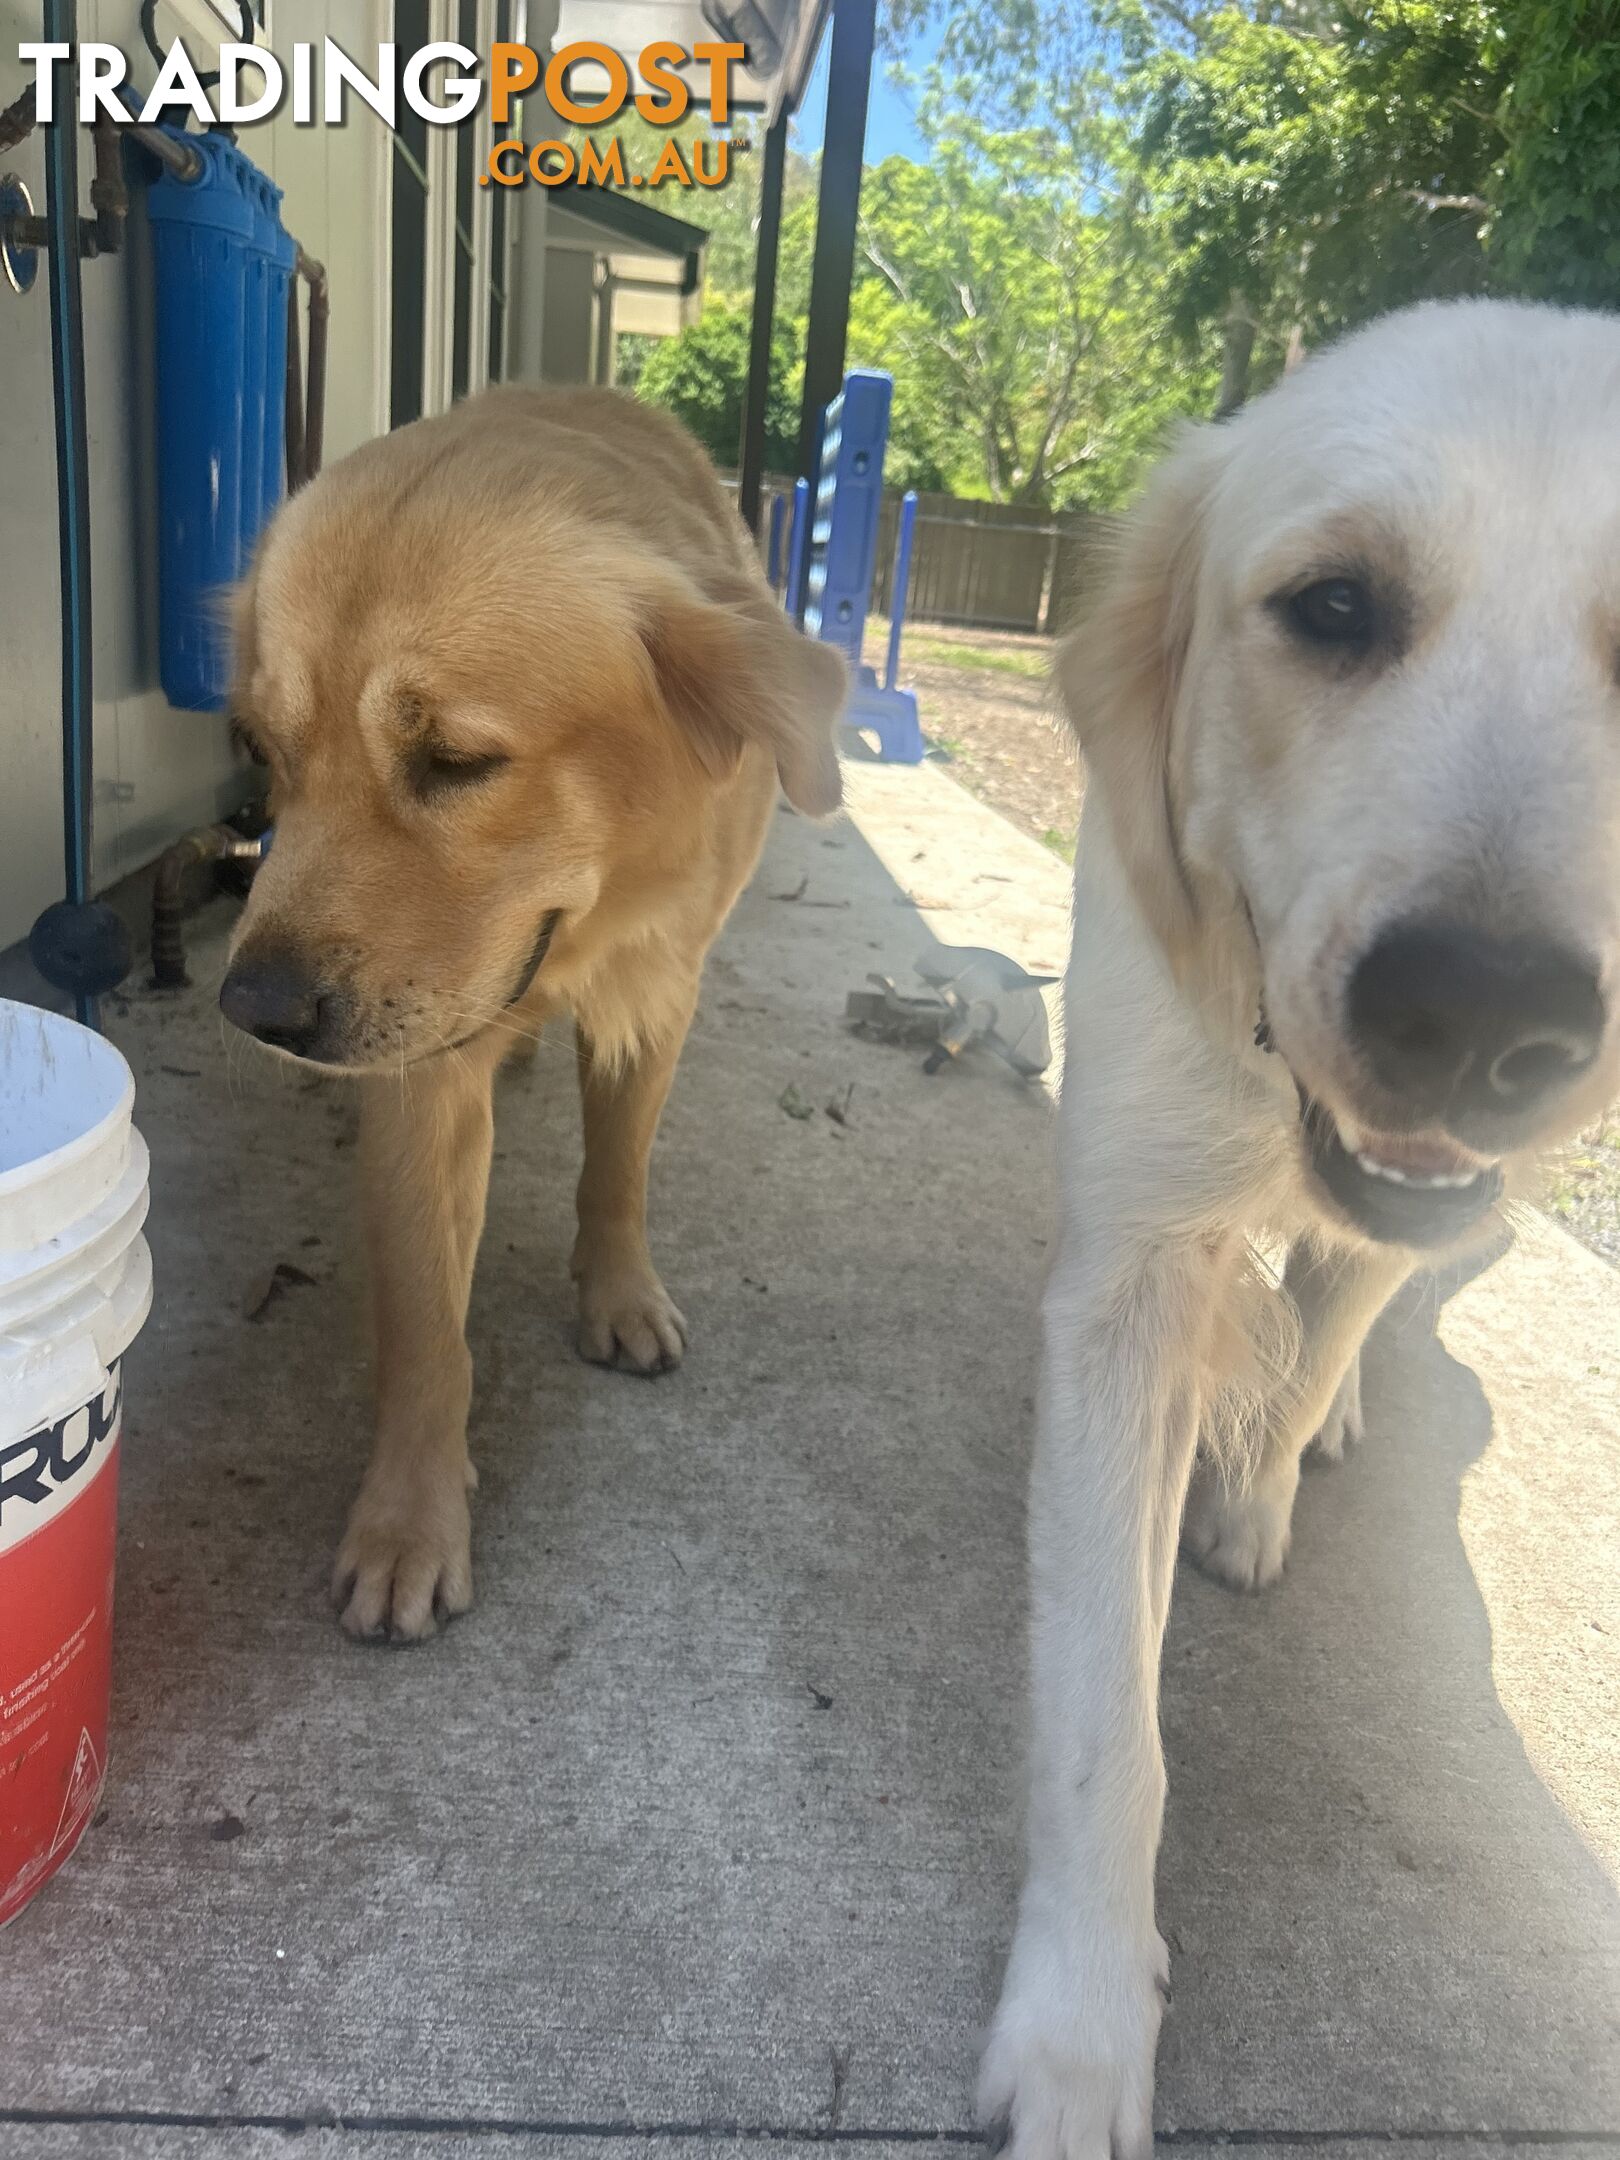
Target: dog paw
[627,1319]
[401,1571]
[1068,2073]
[1342,1427]
[1239,1534]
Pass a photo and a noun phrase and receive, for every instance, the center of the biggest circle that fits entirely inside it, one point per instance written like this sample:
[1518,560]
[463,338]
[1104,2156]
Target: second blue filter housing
[224,270]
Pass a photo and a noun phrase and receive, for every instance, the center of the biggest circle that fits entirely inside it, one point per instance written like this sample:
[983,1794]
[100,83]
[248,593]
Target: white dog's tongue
[1410,1158]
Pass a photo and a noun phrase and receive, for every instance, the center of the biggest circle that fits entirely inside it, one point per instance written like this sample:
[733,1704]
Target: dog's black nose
[276,998]
[1457,1022]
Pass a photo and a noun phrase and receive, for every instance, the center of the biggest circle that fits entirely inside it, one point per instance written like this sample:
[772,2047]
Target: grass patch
[928,642]
[1060,843]
[973,659]
[1590,1164]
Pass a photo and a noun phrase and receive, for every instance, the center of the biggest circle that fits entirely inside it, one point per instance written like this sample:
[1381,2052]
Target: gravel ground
[989,713]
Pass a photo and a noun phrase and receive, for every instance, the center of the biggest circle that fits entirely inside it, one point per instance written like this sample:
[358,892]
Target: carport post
[757,390]
[849,77]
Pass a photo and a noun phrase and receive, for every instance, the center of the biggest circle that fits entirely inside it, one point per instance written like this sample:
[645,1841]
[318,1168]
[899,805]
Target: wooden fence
[986,566]
[979,565]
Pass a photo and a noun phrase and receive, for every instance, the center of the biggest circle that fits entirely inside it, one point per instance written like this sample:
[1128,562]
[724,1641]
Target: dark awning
[655,261]
[780,37]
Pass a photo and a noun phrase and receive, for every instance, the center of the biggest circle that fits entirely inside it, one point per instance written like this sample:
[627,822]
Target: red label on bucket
[58,1532]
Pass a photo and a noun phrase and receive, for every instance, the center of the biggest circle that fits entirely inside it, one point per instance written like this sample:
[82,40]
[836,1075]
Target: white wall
[159,771]
[528,213]
[336,187]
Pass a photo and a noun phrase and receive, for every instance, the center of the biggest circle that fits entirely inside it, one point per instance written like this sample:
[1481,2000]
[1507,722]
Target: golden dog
[525,699]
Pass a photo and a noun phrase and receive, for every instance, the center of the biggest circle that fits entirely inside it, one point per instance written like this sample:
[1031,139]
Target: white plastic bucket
[75,1286]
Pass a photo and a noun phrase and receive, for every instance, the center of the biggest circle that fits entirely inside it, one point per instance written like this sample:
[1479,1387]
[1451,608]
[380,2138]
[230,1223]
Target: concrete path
[700,1831]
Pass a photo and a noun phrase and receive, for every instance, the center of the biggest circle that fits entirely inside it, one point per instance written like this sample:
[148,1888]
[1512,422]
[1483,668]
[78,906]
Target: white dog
[1347,951]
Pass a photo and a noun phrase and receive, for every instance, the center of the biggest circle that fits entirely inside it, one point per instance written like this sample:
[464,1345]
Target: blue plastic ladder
[841,552]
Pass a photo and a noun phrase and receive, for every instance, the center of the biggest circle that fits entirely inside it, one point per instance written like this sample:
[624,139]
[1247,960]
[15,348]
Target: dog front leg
[1069,2067]
[425,1143]
[625,1314]
[1239,1517]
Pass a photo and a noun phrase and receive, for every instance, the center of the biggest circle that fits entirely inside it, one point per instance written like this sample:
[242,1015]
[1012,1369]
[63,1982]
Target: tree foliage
[1131,208]
[1019,306]
[701,375]
[1316,168]
[1557,231]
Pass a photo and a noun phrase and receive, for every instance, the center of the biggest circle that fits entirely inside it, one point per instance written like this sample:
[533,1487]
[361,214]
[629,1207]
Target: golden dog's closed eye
[244,740]
[435,770]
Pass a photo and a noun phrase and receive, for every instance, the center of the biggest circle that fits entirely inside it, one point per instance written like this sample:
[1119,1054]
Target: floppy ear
[234,607]
[1120,675]
[735,671]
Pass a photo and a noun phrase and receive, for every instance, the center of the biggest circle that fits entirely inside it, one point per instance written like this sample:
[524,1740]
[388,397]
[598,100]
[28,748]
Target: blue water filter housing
[265,360]
[256,309]
[222,264]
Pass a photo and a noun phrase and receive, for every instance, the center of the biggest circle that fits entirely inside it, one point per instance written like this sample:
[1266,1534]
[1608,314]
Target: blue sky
[890,124]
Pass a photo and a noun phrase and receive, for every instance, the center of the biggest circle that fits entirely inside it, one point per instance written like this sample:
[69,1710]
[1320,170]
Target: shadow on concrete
[1383,1916]
[707,1814]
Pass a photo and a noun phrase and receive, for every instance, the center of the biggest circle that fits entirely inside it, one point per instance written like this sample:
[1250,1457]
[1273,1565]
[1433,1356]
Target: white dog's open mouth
[1400,1188]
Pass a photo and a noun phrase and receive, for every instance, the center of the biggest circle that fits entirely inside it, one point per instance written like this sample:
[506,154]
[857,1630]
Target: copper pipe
[16,121]
[174,155]
[314,275]
[210,843]
[109,197]
[18,118]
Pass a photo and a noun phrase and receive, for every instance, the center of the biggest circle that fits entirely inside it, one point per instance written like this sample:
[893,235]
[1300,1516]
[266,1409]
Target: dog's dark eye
[1334,611]
[438,771]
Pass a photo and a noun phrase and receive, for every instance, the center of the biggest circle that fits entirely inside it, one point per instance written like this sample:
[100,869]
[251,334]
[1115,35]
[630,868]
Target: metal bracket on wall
[19,259]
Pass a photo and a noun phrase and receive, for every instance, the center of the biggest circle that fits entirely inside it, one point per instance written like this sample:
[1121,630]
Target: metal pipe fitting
[209,843]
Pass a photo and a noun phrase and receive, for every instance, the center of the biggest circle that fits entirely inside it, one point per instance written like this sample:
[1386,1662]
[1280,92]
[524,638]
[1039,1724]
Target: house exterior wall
[568,335]
[159,771]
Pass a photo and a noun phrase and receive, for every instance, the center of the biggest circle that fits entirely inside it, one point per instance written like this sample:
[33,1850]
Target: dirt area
[988,712]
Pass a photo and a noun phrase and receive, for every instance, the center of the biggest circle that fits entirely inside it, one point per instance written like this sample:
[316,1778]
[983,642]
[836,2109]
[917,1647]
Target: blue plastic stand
[773,543]
[798,540]
[842,558]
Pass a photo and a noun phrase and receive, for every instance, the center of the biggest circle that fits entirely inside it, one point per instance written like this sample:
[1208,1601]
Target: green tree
[1308,180]
[1316,171]
[1312,162]
[1131,209]
[1017,277]
[701,376]
[1557,232]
